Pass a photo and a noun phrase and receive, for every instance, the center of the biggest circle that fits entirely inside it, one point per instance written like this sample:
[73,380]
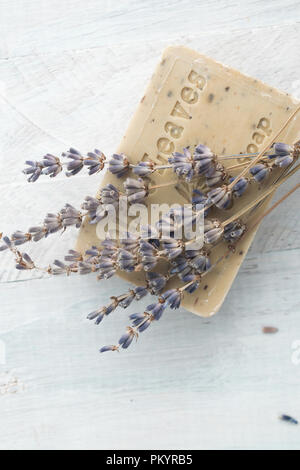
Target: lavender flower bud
[7,244]
[282,149]
[213,231]
[129,242]
[140,292]
[94,208]
[109,248]
[172,248]
[214,175]
[259,172]
[53,223]
[172,297]
[62,268]
[234,231]
[157,310]
[136,190]
[73,256]
[37,233]
[109,348]
[34,170]
[220,197]
[148,252]
[70,216]
[95,161]
[86,267]
[110,195]
[118,165]
[124,303]
[126,261]
[182,164]
[201,263]
[76,163]
[203,158]
[52,165]
[240,187]
[192,287]
[25,262]
[145,324]
[19,238]
[97,314]
[155,282]
[284,161]
[143,169]
[126,339]
[107,268]
[200,198]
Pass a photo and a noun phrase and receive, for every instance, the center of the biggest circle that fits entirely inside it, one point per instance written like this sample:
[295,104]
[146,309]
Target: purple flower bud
[38,233]
[201,263]
[282,149]
[127,300]
[34,170]
[284,161]
[143,169]
[126,339]
[126,261]
[53,223]
[140,292]
[212,231]
[192,287]
[70,216]
[259,172]
[234,231]
[155,282]
[129,241]
[109,348]
[110,195]
[95,161]
[214,175]
[145,324]
[76,163]
[220,197]
[200,199]
[182,164]
[172,248]
[7,244]
[240,187]
[118,165]
[172,297]
[107,268]
[157,310]
[25,262]
[136,190]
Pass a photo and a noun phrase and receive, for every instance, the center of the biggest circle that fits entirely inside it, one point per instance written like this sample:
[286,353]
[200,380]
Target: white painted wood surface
[71,72]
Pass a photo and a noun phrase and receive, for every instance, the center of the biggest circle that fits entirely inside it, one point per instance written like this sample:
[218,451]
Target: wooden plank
[221,379]
[71,73]
[42,27]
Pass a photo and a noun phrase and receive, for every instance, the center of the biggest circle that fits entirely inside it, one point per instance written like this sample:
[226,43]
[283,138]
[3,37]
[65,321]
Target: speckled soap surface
[192,99]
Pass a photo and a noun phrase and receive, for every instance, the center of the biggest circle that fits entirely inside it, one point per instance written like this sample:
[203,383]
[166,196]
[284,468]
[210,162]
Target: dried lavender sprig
[51,165]
[267,147]
[221,197]
[173,297]
[123,301]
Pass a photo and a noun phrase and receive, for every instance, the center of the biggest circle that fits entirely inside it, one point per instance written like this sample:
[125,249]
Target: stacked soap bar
[192,99]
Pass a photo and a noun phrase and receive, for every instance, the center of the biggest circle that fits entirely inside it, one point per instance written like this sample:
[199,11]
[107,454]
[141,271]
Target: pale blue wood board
[70,76]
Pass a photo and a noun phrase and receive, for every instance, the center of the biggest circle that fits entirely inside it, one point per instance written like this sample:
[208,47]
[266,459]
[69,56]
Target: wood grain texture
[71,73]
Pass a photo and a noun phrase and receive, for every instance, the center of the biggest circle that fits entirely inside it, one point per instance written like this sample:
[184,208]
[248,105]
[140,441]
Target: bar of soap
[192,99]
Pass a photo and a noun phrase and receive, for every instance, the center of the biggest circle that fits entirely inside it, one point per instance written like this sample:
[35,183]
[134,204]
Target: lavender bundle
[186,262]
